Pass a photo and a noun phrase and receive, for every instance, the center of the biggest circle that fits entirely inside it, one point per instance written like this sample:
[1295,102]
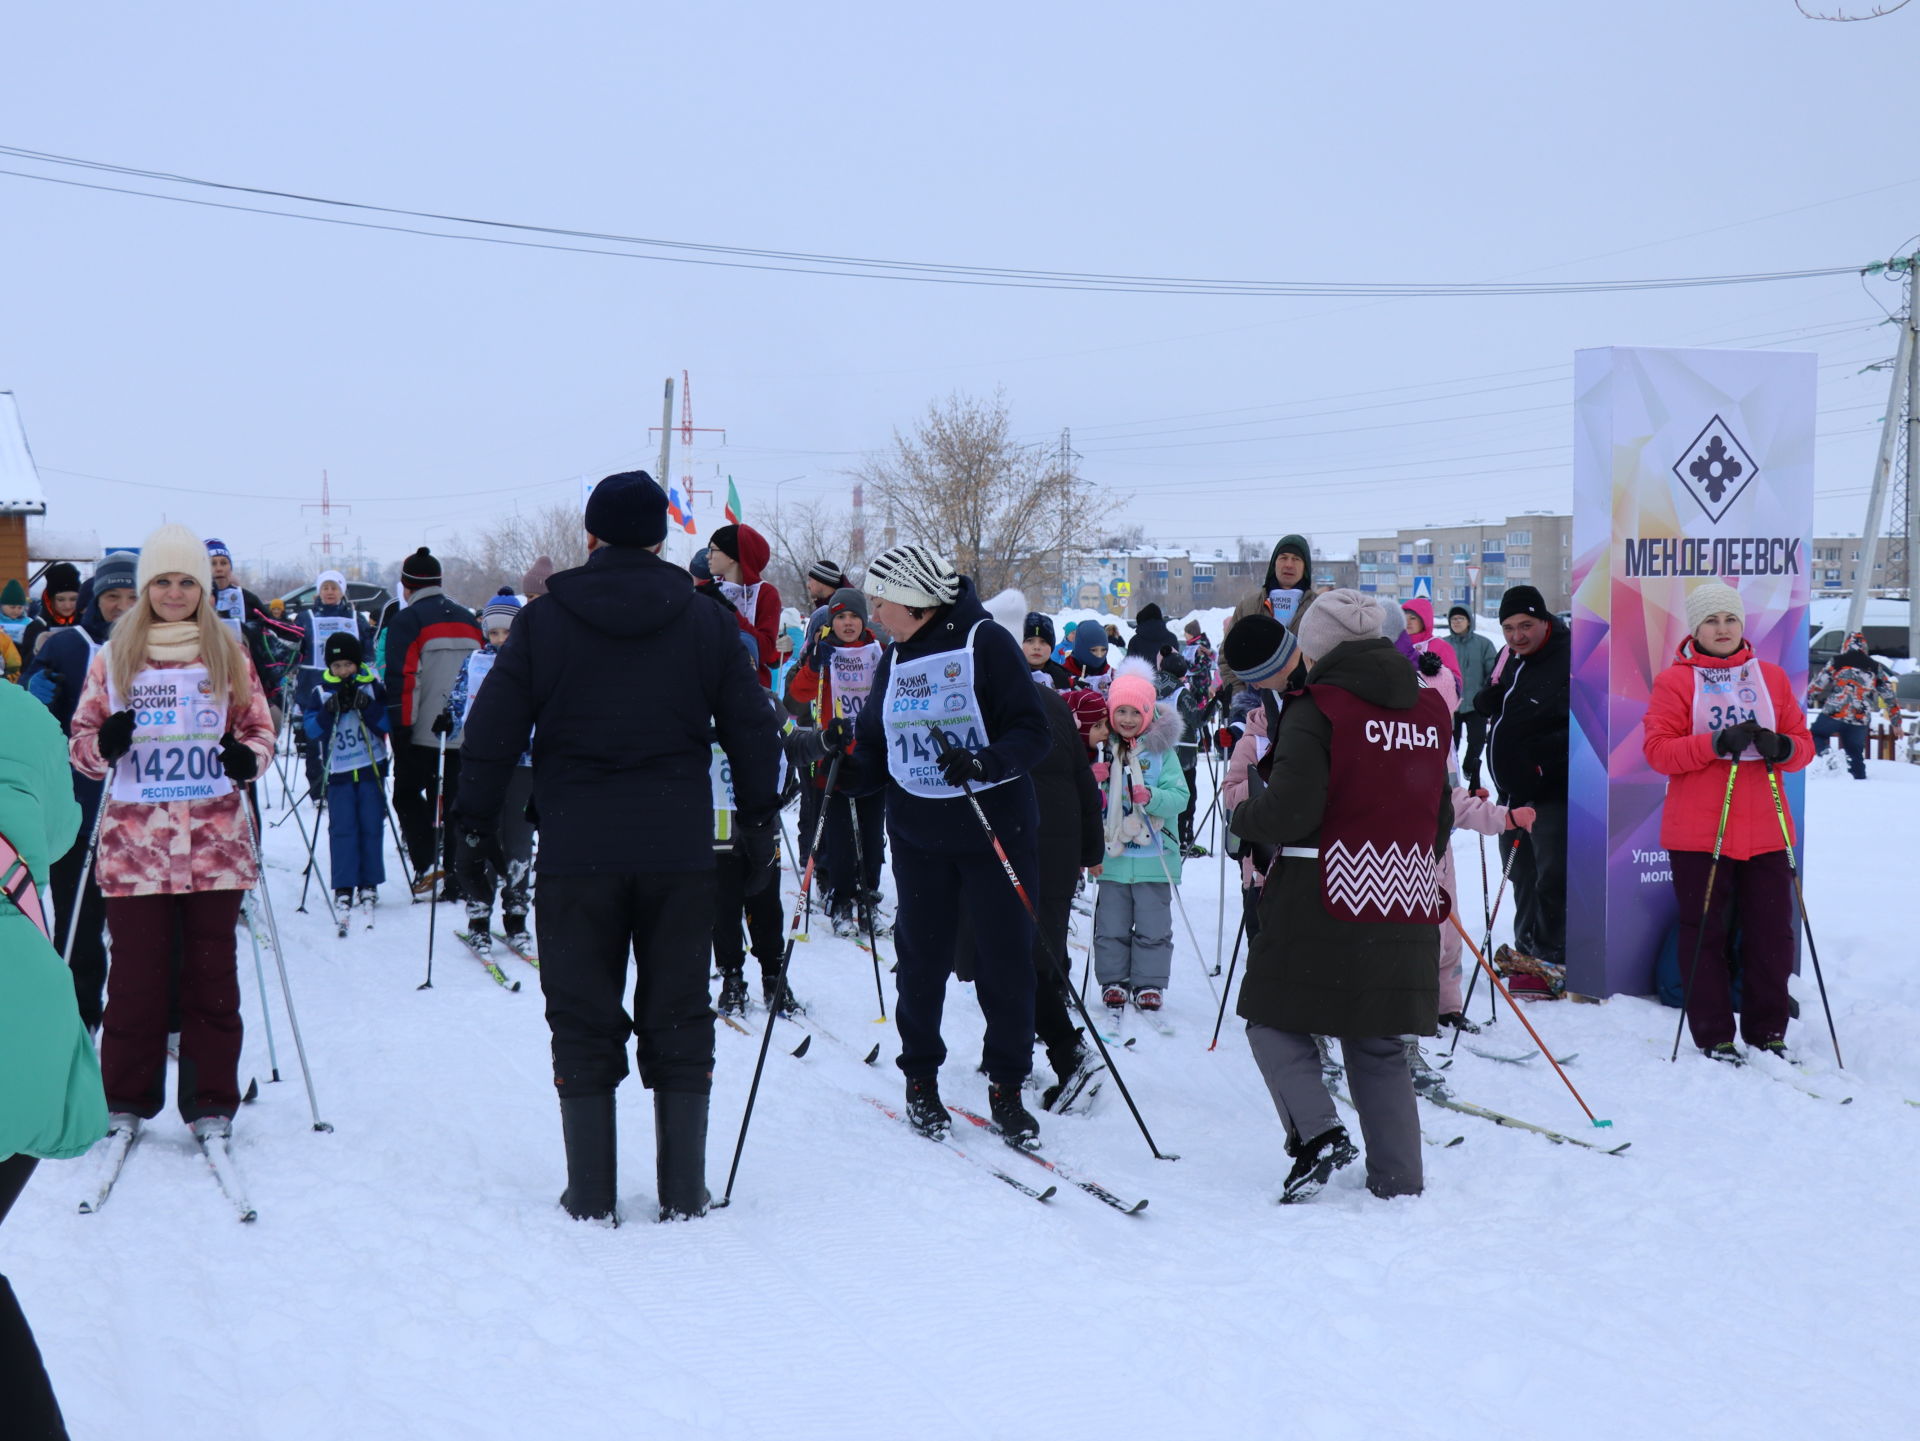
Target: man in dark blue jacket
[951,669]
[620,679]
[55,678]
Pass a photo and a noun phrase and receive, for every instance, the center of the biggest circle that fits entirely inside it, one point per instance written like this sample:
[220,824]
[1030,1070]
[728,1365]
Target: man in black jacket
[621,678]
[1527,708]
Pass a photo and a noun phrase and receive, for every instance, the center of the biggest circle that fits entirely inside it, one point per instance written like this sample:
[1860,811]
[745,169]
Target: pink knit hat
[1132,685]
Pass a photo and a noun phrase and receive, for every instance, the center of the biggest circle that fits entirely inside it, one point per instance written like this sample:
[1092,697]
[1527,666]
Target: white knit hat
[912,575]
[1711,599]
[1336,618]
[171,550]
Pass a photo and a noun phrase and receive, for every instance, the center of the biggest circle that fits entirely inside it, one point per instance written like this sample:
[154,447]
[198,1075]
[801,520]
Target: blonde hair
[227,667]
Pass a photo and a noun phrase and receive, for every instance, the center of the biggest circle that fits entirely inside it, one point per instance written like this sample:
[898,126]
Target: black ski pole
[1793,864]
[1220,1019]
[866,906]
[439,820]
[1706,909]
[313,844]
[943,744]
[779,993]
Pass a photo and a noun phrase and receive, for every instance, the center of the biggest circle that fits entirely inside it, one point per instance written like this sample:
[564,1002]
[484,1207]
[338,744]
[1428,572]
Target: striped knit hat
[828,574]
[501,609]
[912,575]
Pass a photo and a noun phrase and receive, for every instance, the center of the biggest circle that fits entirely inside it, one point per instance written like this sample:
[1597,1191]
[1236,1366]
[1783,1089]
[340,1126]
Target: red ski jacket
[1697,778]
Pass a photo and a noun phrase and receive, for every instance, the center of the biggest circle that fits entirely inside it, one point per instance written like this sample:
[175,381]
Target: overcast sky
[212,364]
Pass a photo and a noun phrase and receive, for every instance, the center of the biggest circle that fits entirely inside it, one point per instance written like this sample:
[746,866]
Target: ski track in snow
[1746,1270]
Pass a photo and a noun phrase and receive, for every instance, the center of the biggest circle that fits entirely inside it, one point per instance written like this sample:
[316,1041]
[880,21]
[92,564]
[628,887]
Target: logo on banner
[1715,469]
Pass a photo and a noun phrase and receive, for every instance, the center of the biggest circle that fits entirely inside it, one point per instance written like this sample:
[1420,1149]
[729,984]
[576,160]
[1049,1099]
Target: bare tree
[813,530]
[1004,513]
[514,541]
[1245,549]
[1130,537]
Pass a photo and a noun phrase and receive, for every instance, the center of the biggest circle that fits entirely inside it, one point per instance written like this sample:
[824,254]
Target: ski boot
[1459,1021]
[343,898]
[1317,1161]
[733,993]
[1148,998]
[1725,1052]
[778,998]
[1014,1122]
[925,1113]
[479,938]
[367,897]
[1070,1069]
[1331,1071]
[846,925]
[870,900]
[1426,1080]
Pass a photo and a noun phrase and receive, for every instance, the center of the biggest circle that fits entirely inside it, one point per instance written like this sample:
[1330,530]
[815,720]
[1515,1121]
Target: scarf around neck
[175,640]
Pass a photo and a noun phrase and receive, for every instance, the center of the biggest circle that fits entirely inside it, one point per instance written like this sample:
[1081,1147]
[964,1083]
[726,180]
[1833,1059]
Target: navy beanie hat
[628,509]
[1258,647]
[1524,600]
[1037,625]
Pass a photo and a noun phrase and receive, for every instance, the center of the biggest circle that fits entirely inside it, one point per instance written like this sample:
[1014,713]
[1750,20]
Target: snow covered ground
[1746,1270]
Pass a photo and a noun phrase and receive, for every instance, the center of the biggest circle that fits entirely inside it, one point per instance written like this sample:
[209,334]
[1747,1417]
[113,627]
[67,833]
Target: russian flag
[677,513]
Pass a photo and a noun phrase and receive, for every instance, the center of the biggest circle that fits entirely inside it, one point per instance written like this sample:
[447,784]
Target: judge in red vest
[1715,703]
[1356,804]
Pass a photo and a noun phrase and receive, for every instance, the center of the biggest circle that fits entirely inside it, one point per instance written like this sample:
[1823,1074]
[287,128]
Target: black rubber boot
[587,1128]
[680,1153]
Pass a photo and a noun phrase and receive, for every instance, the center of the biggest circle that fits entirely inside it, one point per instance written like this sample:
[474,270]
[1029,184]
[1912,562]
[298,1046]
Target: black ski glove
[1731,741]
[837,735]
[1773,747]
[115,736]
[759,843]
[443,724]
[237,761]
[959,766]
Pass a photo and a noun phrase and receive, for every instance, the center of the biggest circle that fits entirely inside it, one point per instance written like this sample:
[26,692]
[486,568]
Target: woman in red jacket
[174,718]
[1716,703]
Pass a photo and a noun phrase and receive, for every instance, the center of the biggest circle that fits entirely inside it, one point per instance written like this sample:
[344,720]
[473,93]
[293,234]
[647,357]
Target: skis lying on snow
[1522,1058]
[486,959]
[947,1144]
[1092,1188]
[1442,1097]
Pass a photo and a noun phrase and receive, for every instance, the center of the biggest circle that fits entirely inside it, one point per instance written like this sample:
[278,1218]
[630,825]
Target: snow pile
[1734,1274]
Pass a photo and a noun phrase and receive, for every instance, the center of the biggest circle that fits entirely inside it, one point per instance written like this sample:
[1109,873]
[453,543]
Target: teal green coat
[1159,859]
[51,1103]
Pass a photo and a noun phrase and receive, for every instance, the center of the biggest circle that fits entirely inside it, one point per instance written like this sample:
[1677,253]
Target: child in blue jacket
[344,712]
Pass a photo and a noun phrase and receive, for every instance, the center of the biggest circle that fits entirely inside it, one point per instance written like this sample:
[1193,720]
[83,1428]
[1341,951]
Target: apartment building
[1835,562]
[1473,564]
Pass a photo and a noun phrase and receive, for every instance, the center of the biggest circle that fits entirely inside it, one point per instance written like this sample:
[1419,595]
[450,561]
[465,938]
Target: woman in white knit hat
[1718,703]
[174,717]
[950,671]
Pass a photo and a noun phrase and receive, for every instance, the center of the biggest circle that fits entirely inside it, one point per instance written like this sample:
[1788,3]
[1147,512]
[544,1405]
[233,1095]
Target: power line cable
[813,263]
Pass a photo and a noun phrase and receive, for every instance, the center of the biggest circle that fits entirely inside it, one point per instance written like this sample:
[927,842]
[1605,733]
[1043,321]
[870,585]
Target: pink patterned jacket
[173,847]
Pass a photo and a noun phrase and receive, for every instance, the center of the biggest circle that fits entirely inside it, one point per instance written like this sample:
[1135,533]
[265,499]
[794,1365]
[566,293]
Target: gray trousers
[1382,1093]
[1133,934]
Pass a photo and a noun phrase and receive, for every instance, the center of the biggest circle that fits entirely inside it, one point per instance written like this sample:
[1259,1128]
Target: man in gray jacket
[1476,655]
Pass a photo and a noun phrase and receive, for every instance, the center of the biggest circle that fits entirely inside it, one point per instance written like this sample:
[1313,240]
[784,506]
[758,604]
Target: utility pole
[666,434]
[1910,496]
[1903,397]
